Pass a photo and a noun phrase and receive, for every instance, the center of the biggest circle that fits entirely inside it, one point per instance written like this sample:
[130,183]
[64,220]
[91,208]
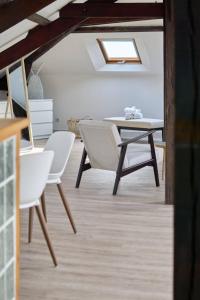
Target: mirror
[18,100]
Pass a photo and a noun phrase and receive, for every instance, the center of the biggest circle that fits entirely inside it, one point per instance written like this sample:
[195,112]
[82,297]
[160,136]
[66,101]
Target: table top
[137,123]
[9,127]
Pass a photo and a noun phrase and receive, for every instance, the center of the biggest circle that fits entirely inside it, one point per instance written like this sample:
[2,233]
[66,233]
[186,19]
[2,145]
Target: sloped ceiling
[72,55]
[19,31]
[50,12]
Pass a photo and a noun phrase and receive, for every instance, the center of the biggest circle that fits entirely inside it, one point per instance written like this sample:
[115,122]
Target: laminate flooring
[124,246]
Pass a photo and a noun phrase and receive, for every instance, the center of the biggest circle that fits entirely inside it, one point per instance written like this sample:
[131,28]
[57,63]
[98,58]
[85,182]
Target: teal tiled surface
[2,206]
[10,282]
[2,173]
[10,197]
[2,254]
[2,289]
[7,219]
[9,169]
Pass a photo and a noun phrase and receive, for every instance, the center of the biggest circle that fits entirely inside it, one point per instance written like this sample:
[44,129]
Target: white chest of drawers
[41,112]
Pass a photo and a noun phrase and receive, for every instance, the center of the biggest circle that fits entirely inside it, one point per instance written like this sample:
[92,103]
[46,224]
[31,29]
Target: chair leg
[45,232]
[43,202]
[30,224]
[155,169]
[66,206]
[81,168]
[119,169]
[153,155]
[117,180]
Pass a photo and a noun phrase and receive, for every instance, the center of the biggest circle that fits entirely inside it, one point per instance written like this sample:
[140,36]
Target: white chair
[105,150]
[61,143]
[34,172]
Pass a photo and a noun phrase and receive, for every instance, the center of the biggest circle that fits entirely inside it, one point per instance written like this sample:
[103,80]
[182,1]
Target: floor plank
[123,248]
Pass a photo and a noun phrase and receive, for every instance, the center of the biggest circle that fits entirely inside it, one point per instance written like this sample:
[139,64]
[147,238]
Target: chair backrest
[34,171]
[61,143]
[101,139]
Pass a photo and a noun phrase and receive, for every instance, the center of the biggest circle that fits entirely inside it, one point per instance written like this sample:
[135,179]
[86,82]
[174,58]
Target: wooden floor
[123,248]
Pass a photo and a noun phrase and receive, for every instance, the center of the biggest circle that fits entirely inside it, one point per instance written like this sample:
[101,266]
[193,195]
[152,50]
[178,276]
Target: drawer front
[41,117]
[42,129]
[39,105]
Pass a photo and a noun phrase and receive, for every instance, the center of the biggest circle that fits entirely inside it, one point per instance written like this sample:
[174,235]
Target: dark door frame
[182,115]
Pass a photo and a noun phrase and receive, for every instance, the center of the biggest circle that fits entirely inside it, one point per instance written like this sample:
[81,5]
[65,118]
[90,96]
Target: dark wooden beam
[39,19]
[104,21]
[41,51]
[101,1]
[38,37]
[44,49]
[18,10]
[112,10]
[96,29]
[169,99]
[187,150]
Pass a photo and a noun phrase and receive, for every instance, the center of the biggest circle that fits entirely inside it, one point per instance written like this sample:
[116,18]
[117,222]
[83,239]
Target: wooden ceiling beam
[96,29]
[40,20]
[38,37]
[44,49]
[9,56]
[104,21]
[101,1]
[112,10]
[18,10]
[37,53]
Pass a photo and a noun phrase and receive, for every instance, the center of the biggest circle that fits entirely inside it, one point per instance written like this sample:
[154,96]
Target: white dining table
[143,124]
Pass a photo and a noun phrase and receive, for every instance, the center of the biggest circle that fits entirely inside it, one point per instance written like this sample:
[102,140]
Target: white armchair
[105,150]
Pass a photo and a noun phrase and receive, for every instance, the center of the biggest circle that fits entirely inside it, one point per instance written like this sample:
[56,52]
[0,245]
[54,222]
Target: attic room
[73,70]
[99,150]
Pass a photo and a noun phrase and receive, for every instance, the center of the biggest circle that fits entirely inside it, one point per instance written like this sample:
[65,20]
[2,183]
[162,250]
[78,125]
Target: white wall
[102,96]
[70,78]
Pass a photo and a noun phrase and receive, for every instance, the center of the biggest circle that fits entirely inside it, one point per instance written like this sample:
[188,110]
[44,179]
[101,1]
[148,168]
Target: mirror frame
[27,106]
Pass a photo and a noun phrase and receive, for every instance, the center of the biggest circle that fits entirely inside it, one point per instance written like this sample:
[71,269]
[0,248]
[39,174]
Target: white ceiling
[73,54]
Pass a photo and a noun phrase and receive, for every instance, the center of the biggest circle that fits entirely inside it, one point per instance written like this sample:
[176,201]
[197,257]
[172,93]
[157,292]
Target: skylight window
[119,51]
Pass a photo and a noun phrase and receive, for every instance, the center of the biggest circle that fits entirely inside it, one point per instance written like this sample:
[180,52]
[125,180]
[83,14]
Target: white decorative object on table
[138,114]
[129,112]
[35,88]
[132,113]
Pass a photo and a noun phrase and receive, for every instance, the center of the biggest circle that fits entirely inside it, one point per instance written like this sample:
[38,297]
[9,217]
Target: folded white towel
[132,113]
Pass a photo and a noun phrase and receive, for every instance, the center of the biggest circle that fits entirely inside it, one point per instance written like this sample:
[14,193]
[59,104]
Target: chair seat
[138,153]
[53,178]
[29,203]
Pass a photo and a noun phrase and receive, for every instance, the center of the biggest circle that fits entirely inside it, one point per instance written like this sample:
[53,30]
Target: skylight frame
[120,60]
